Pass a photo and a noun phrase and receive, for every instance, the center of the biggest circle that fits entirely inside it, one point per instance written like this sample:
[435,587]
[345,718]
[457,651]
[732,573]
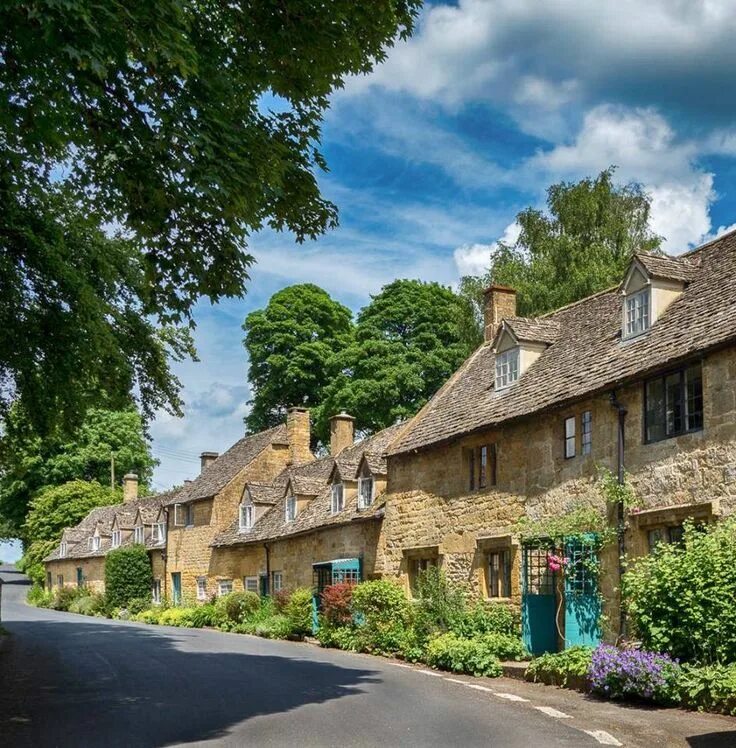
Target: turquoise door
[80,577]
[332,572]
[176,588]
[538,601]
[582,601]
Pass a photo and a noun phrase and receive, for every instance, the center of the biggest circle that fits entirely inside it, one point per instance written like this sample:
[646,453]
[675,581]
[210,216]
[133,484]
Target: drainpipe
[267,548]
[165,557]
[621,474]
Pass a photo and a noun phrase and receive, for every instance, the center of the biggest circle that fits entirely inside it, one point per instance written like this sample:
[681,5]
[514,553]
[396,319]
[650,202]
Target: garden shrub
[440,605]
[452,652]
[384,613]
[127,575]
[684,588]
[708,687]
[237,606]
[620,673]
[39,596]
[336,604]
[65,596]
[148,616]
[560,668]
[281,599]
[203,615]
[139,604]
[488,618]
[85,605]
[299,611]
[176,617]
[276,626]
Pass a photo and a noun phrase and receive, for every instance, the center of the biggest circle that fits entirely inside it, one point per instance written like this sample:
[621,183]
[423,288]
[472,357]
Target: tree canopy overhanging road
[70,680]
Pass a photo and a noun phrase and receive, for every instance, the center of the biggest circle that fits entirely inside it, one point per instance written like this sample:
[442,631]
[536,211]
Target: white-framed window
[95,542]
[179,515]
[156,591]
[139,534]
[202,588]
[116,538]
[337,498]
[570,449]
[63,549]
[637,315]
[587,432]
[224,587]
[158,532]
[365,492]
[278,581]
[507,368]
[246,516]
[250,584]
[290,508]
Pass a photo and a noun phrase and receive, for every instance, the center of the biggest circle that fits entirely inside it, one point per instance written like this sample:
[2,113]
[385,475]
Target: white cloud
[519,53]
[474,259]
[645,149]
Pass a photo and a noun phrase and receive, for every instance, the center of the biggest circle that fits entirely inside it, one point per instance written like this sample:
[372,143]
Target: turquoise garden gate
[582,600]
[332,572]
[538,599]
[539,594]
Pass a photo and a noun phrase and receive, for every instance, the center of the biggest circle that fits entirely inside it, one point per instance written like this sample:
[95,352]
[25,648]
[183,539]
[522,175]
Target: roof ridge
[575,303]
[707,244]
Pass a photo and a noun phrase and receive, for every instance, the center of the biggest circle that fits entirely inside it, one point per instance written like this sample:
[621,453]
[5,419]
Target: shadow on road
[713,740]
[112,684]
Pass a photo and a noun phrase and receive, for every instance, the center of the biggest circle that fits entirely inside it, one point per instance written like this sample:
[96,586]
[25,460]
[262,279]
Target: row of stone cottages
[641,376]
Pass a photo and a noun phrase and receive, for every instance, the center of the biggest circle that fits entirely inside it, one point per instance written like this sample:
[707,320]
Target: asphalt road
[69,680]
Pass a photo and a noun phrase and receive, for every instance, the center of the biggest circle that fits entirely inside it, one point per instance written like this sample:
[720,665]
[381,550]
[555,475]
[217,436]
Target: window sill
[498,599]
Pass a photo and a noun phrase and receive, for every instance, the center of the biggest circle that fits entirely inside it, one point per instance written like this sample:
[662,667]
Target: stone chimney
[342,432]
[206,459]
[500,303]
[298,434]
[130,487]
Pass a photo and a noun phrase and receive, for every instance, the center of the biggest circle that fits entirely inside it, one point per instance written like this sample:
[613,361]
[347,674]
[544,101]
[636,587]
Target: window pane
[471,469]
[587,432]
[694,385]
[674,404]
[570,437]
[492,478]
[655,419]
[483,467]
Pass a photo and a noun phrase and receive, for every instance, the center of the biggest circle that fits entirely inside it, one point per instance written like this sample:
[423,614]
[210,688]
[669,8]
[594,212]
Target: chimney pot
[130,487]
[299,435]
[342,432]
[206,459]
[500,303]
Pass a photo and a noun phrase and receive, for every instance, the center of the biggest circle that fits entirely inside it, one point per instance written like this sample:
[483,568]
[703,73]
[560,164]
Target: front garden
[681,648]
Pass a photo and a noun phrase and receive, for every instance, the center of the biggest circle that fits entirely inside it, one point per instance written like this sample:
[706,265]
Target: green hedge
[127,575]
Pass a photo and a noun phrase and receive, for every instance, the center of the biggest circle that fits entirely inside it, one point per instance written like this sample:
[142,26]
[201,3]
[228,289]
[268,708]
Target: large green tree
[30,464]
[407,343]
[51,510]
[187,125]
[581,244]
[291,346]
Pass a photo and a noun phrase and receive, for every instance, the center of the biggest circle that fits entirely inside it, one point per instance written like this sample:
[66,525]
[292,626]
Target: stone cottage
[641,377]
[314,524]
[79,560]
[209,504]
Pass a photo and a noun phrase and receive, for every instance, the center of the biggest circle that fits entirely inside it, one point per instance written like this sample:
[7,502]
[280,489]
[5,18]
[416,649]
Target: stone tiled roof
[589,355]
[218,474]
[665,266]
[534,329]
[265,493]
[102,518]
[317,514]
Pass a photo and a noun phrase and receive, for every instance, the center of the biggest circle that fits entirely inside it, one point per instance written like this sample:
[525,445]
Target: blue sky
[432,156]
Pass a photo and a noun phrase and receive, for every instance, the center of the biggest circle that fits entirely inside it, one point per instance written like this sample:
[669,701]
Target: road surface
[70,680]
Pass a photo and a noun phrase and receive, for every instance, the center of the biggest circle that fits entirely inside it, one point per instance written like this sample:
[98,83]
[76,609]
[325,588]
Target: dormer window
[138,534]
[158,532]
[290,508]
[246,517]
[507,368]
[637,314]
[96,543]
[116,538]
[365,492]
[337,498]
[63,549]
